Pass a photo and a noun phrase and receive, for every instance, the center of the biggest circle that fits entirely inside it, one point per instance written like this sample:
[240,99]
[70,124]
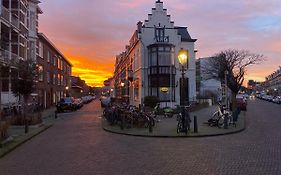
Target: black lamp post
[183,59]
[67,93]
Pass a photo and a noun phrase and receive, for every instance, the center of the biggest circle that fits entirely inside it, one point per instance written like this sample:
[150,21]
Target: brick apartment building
[54,73]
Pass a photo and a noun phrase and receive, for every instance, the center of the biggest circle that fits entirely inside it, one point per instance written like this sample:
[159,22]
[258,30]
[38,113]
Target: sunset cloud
[93,32]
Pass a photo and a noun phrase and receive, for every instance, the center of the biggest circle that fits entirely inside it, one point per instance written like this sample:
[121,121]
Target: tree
[23,84]
[234,63]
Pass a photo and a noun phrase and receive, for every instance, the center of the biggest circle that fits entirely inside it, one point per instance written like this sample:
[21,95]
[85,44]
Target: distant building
[54,73]
[208,84]
[149,64]
[78,87]
[253,85]
[272,83]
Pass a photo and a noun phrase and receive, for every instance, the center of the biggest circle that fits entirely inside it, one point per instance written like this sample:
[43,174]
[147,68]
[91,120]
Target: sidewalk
[167,126]
[18,137]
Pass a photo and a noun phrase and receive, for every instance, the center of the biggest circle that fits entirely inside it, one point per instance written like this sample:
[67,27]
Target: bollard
[56,114]
[150,125]
[225,122]
[195,124]
[122,121]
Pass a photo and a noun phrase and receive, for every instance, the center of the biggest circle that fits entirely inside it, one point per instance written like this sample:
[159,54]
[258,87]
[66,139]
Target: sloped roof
[185,37]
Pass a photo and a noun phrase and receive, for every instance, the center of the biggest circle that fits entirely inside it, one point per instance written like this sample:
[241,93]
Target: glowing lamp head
[122,84]
[66,88]
[182,56]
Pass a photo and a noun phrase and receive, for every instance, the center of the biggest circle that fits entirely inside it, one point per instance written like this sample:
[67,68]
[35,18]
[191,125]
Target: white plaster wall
[159,16]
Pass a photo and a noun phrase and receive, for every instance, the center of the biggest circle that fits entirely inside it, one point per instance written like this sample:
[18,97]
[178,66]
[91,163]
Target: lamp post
[122,89]
[183,59]
[67,88]
[226,91]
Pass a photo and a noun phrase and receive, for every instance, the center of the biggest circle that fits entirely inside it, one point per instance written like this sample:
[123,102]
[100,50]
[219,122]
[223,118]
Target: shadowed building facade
[54,73]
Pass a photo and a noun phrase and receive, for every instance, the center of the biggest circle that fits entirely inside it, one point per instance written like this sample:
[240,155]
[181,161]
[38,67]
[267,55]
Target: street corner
[167,127]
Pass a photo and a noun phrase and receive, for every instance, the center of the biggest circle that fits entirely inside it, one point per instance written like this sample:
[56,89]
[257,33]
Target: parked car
[105,101]
[66,103]
[87,99]
[78,102]
[241,103]
[277,100]
[246,96]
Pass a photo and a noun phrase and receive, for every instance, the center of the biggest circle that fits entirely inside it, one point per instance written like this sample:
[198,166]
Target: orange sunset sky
[91,33]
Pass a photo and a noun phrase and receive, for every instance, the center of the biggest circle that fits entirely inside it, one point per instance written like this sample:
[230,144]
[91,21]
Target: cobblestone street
[77,144]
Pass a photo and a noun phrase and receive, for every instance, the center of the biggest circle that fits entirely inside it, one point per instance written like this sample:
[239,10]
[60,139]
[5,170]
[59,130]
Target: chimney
[139,24]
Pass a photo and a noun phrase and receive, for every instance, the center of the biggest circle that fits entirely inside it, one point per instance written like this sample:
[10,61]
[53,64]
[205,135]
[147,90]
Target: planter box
[32,119]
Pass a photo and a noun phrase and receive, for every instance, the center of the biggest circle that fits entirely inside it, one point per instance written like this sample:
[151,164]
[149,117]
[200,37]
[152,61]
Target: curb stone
[175,136]
[10,146]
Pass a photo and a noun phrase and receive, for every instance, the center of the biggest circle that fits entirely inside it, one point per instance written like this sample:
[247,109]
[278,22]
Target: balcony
[161,39]
[8,58]
[5,13]
[15,21]
[162,70]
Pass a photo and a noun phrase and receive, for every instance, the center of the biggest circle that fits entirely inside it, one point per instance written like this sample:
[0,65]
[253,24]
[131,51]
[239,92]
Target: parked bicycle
[128,116]
[184,123]
[221,117]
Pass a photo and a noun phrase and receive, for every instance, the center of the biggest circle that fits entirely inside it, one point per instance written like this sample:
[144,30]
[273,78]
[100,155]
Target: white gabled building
[149,65]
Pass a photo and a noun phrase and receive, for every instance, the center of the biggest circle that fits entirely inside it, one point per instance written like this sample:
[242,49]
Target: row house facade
[272,83]
[149,64]
[18,36]
[54,80]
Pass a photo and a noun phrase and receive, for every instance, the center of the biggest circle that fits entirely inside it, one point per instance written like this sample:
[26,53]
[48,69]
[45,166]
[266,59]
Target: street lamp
[226,88]
[67,88]
[183,60]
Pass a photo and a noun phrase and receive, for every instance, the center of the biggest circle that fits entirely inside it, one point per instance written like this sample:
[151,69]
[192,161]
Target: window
[136,90]
[55,60]
[48,56]
[54,79]
[40,73]
[164,58]
[62,80]
[48,77]
[59,79]
[153,59]
[5,85]
[41,49]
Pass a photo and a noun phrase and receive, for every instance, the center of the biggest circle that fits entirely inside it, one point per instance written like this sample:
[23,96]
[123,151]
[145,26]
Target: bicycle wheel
[220,122]
[179,127]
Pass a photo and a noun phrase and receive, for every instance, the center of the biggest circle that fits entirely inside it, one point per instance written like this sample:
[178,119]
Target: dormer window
[160,35]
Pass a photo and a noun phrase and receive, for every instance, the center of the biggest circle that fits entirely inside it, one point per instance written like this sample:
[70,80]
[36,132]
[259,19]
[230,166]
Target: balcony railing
[162,70]
[162,39]
[8,58]
[15,21]
[5,13]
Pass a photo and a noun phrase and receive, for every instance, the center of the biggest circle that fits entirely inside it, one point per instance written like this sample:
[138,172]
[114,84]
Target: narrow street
[77,144]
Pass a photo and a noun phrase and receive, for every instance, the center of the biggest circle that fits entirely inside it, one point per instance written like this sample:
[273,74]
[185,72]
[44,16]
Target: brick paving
[76,144]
